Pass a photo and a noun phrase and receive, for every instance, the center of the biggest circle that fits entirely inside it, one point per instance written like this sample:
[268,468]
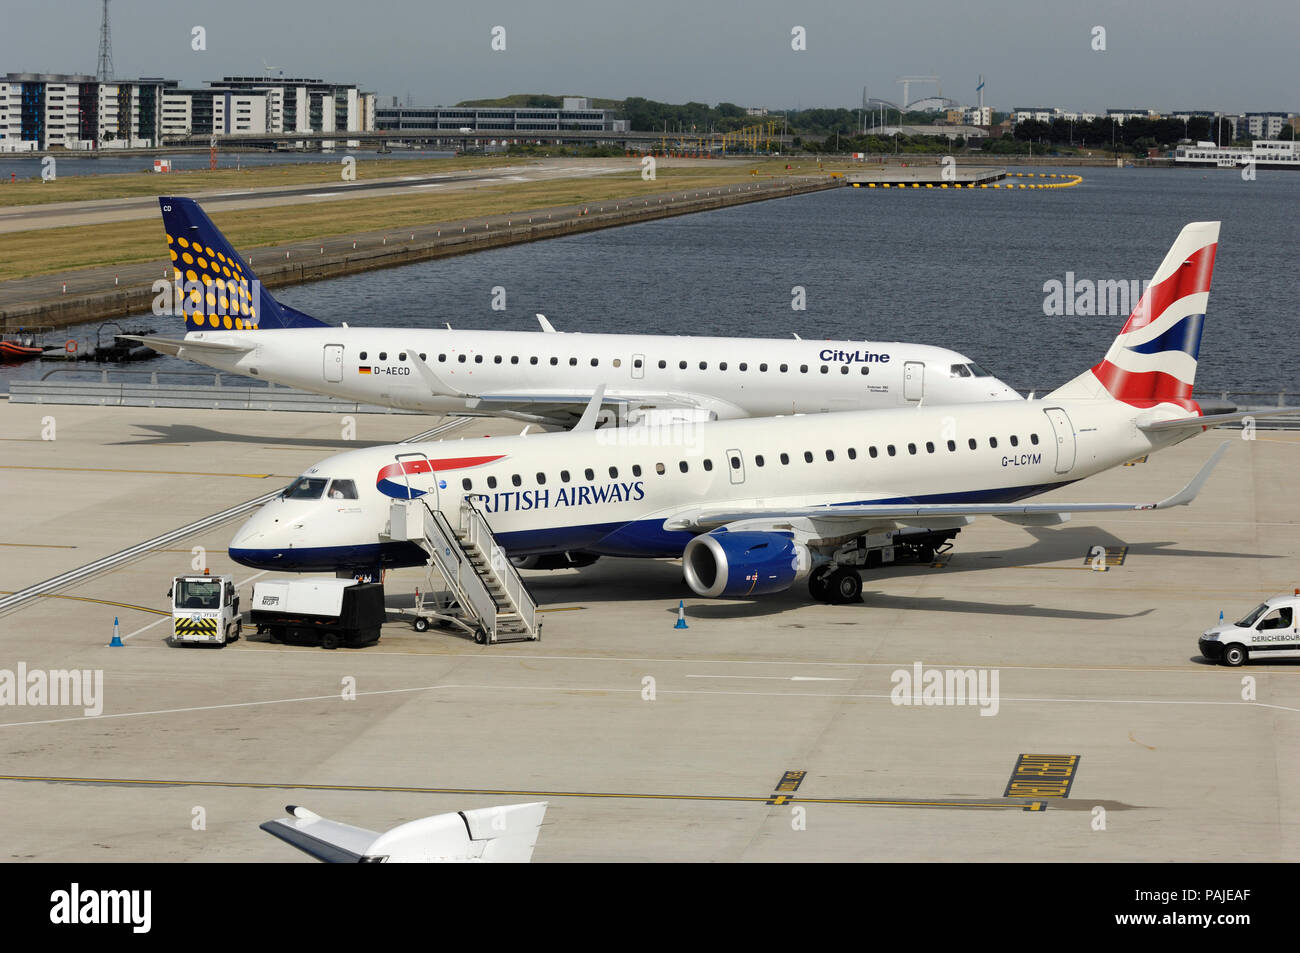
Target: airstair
[484,594]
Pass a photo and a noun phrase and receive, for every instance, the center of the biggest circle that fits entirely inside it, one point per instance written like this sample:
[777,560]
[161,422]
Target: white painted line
[625,691]
[779,678]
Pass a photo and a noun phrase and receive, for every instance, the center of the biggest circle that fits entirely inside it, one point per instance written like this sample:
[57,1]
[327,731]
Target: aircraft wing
[173,346]
[504,834]
[935,514]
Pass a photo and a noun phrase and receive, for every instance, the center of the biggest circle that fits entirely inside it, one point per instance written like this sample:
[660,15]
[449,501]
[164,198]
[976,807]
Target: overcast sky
[1163,54]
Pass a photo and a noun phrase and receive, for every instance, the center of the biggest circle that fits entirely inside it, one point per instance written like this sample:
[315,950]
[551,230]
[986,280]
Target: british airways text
[518,500]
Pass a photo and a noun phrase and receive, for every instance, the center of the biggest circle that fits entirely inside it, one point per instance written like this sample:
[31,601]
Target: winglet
[546,325]
[588,421]
[435,383]
[1188,493]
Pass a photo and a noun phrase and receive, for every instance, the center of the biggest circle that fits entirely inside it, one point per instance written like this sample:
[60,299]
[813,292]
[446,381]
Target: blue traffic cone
[1220,617]
[681,615]
[117,636]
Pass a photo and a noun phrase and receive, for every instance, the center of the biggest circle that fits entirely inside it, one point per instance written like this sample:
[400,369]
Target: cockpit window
[959,370]
[978,371]
[305,488]
[343,490]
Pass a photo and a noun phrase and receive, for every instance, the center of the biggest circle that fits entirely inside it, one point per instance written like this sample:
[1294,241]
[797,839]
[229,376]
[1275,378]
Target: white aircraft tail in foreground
[503,835]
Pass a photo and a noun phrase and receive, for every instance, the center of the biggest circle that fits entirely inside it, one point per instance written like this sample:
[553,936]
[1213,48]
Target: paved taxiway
[1098,665]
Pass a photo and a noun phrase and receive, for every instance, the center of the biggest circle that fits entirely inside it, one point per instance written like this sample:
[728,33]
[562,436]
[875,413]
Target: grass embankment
[52,250]
[85,188]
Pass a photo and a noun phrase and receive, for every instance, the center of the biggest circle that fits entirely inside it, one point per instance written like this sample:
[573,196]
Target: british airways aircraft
[753,506]
[234,324]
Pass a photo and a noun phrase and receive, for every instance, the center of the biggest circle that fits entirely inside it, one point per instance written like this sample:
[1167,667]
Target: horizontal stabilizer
[1212,420]
[173,346]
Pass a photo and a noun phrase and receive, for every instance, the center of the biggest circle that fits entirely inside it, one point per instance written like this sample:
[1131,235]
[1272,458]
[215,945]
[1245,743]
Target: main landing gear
[837,585]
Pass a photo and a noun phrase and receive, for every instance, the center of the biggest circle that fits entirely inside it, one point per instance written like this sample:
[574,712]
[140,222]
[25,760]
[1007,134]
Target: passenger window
[613,473]
[662,365]
[784,368]
[762,368]
[889,449]
[637,362]
[844,368]
[423,356]
[636,469]
[704,365]
[460,358]
[744,366]
[532,360]
[442,358]
[952,445]
[497,359]
[830,456]
[383,355]
[853,454]
[871,452]
[865,370]
[589,473]
[401,356]
[929,447]
[564,476]
[343,490]
[362,355]
[758,460]
[515,478]
[555,361]
[735,463]
[911,448]
[993,442]
[708,464]
[682,465]
[807,456]
[972,443]
[541,479]
[803,368]
[722,366]
[1015,441]
[595,362]
[785,459]
[681,365]
[659,469]
[492,483]
[478,358]
[573,362]
[467,484]
[1033,438]
[825,369]
[514,358]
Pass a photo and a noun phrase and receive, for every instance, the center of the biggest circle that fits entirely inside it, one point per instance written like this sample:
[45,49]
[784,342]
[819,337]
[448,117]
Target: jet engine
[744,563]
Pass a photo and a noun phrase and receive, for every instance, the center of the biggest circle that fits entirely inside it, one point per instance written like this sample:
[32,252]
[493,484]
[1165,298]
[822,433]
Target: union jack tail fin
[1153,361]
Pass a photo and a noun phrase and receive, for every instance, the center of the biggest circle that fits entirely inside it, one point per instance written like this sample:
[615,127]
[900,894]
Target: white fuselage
[611,491]
[480,371]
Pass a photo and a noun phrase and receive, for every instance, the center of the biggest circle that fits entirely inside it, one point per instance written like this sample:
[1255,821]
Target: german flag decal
[363,370]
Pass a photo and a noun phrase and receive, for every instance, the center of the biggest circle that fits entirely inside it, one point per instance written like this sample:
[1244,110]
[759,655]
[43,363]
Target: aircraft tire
[819,586]
[845,586]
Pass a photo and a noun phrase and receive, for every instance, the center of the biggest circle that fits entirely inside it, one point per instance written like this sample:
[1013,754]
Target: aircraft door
[913,380]
[638,366]
[1064,432]
[415,478]
[333,369]
[736,467]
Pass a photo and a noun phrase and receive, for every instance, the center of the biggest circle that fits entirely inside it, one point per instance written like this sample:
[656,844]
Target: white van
[1271,630]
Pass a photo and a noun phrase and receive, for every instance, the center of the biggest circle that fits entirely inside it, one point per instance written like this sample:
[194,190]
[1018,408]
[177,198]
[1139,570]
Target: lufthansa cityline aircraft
[752,506]
[233,324]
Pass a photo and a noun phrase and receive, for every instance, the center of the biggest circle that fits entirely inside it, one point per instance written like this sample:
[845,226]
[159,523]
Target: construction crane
[907,81]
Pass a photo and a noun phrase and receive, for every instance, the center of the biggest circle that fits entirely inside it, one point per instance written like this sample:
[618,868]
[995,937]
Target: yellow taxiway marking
[43,546]
[251,476]
[564,609]
[102,602]
[1019,804]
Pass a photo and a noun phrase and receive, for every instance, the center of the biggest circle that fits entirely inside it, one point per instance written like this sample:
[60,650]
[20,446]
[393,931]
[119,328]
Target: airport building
[576,113]
[41,111]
